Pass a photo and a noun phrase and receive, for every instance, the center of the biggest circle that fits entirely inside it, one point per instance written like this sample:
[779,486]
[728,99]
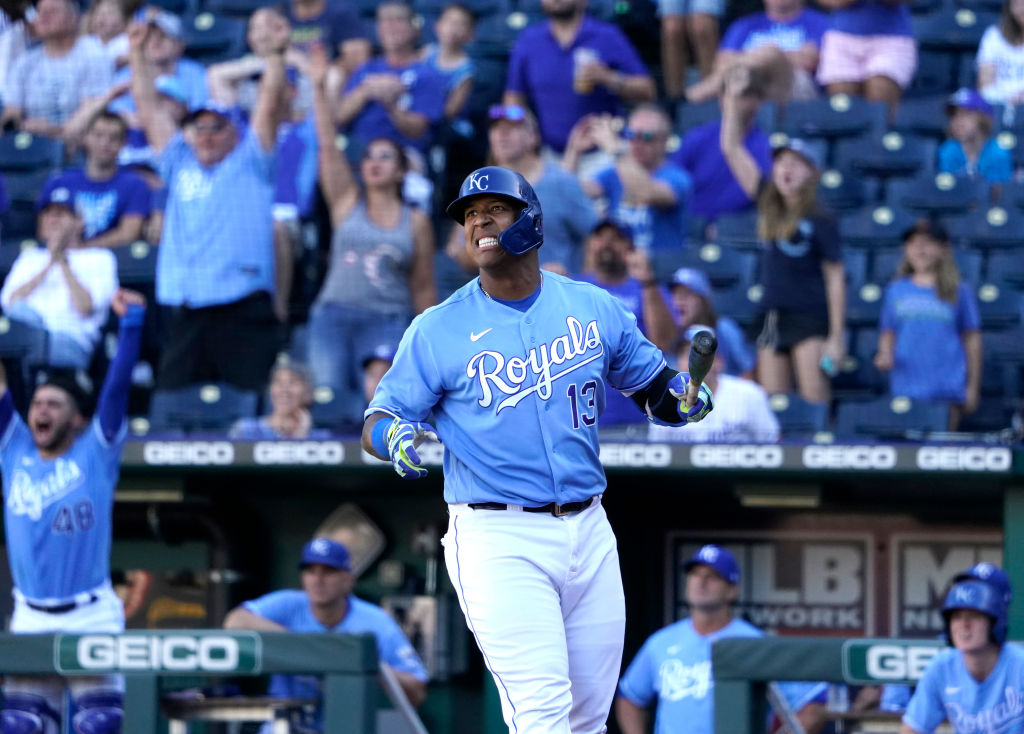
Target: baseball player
[513,369]
[978,685]
[59,472]
[673,668]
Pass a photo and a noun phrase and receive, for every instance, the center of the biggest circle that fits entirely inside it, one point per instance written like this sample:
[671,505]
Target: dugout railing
[348,664]
[743,668]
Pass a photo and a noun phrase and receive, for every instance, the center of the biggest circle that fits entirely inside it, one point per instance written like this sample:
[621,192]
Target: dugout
[838,540]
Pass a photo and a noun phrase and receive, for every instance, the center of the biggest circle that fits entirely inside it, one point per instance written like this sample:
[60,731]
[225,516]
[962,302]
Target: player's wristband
[379,438]
[134,315]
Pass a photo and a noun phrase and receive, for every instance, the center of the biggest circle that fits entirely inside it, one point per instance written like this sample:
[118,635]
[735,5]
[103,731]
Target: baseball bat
[702,355]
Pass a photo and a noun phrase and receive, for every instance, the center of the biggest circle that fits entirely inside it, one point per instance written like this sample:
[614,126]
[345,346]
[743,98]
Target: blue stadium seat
[210,38]
[993,414]
[22,151]
[20,341]
[969,263]
[693,115]
[995,227]
[136,263]
[18,223]
[923,116]
[858,378]
[798,418]
[327,410]
[1000,306]
[832,117]
[885,262]
[1002,362]
[890,418]
[236,8]
[864,305]
[724,265]
[942,194]
[843,191]
[875,227]
[1006,266]
[738,229]
[952,30]
[855,263]
[178,7]
[887,155]
[936,75]
[197,408]
[740,303]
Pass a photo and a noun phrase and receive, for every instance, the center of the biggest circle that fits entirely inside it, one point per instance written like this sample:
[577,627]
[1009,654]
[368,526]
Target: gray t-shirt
[53,88]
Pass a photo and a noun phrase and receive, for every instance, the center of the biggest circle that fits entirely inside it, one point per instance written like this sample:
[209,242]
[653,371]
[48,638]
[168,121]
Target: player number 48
[73,517]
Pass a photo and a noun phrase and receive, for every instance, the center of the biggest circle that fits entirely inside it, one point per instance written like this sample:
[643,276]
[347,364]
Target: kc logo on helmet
[964,594]
[479,182]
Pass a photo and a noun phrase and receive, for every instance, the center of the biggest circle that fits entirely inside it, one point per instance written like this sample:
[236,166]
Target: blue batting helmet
[526,232]
[981,597]
[991,574]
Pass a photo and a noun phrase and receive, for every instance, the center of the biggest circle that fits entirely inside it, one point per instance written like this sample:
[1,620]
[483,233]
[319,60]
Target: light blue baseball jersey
[674,668]
[532,383]
[57,512]
[291,609]
[948,692]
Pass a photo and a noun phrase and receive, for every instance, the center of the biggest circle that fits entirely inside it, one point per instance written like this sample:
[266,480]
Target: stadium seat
[936,75]
[327,410]
[136,263]
[210,38]
[993,414]
[841,191]
[875,227]
[995,227]
[864,305]
[855,262]
[858,378]
[885,262]
[18,223]
[1000,306]
[832,117]
[1006,267]
[24,152]
[952,30]
[798,418]
[724,265]
[887,155]
[740,303]
[1002,362]
[738,229]
[693,115]
[235,8]
[924,116]
[178,7]
[20,341]
[890,418]
[942,194]
[209,407]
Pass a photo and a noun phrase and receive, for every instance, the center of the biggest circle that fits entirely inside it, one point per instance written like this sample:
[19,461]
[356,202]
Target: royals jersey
[515,396]
[57,512]
[947,692]
[674,668]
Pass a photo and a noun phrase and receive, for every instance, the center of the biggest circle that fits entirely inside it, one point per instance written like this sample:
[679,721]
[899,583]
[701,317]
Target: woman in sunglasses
[381,270]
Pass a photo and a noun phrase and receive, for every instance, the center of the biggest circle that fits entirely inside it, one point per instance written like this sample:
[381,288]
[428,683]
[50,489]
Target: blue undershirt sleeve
[113,402]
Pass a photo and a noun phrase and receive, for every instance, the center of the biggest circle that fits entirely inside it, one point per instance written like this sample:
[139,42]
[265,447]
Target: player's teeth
[488,242]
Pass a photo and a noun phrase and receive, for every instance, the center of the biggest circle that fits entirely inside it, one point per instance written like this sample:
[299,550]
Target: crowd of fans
[291,192]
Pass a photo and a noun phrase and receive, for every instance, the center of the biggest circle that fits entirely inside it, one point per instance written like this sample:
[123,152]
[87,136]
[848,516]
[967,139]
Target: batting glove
[704,405]
[404,437]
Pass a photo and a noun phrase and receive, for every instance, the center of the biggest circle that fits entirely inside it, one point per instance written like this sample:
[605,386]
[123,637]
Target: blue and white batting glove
[404,437]
[704,405]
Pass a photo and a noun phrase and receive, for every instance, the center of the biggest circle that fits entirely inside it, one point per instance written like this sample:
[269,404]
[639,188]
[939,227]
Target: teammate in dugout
[513,369]
[978,685]
[58,486]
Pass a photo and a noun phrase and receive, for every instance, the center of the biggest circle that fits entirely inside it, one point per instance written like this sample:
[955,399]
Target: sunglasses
[210,127]
[380,155]
[644,135]
[507,112]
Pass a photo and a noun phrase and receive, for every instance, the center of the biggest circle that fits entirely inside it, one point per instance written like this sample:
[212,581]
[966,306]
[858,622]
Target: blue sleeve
[357,77]
[887,319]
[950,157]
[139,199]
[262,163]
[428,95]
[170,157]
[277,606]
[395,649]
[995,163]
[968,316]
[515,81]
[735,35]
[6,413]
[608,180]
[925,710]
[680,183]
[113,402]
[635,361]
[412,385]
[895,698]
[637,683]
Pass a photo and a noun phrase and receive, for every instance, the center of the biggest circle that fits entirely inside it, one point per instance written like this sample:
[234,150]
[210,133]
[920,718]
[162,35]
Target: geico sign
[965,458]
[849,457]
[214,653]
[298,452]
[188,453]
[725,456]
[896,662]
[636,454]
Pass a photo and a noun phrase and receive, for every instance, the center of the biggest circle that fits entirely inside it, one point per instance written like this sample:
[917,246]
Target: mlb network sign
[887,661]
[180,652]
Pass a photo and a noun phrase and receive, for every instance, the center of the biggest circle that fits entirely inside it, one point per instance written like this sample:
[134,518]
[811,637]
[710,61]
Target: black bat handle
[702,355]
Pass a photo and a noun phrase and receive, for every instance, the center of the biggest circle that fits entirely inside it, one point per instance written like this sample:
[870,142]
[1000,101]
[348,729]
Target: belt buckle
[559,510]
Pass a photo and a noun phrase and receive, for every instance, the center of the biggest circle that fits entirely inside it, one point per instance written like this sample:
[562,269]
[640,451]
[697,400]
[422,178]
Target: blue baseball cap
[990,574]
[810,152]
[968,99]
[326,552]
[232,114]
[693,279]
[57,196]
[718,558]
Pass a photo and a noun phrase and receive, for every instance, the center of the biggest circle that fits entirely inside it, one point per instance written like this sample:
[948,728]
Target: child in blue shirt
[454,29]
[971,150]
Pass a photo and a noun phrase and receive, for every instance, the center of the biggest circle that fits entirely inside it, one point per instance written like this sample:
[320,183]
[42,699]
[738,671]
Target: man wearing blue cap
[674,666]
[326,604]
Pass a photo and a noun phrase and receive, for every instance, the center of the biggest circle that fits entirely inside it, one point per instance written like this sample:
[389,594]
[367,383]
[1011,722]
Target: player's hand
[404,437]
[678,386]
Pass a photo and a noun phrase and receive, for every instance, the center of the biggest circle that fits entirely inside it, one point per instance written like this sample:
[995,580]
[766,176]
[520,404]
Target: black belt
[63,608]
[552,508]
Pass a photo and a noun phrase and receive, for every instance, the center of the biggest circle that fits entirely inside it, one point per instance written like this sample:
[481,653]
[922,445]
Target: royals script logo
[28,497]
[508,376]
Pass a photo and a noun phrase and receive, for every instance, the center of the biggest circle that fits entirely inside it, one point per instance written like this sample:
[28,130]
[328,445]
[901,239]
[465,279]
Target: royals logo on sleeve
[548,363]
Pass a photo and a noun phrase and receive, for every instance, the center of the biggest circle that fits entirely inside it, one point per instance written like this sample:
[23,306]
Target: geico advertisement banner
[180,652]
[887,661]
[791,583]
[923,565]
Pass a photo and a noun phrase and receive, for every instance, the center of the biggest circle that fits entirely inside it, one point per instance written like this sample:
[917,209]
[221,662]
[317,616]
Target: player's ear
[734,593]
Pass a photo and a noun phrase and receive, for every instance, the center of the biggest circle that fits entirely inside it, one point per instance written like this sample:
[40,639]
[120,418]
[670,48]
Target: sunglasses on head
[379,155]
[507,112]
[644,135]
